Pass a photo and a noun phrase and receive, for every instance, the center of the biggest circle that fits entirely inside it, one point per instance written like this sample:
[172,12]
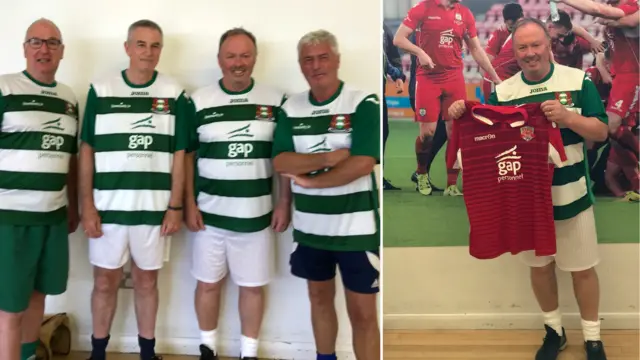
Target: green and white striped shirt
[134,131]
[342,218]
[38,135]
[233,135]
[571,190]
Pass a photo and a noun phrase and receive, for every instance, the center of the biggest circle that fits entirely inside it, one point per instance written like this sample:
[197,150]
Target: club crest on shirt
[340,124]
[160,106]
[458,19]
[264,112]
[70,110]
[564,98]
[527,133]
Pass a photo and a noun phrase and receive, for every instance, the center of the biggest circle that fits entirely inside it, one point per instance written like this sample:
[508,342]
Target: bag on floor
[55,337]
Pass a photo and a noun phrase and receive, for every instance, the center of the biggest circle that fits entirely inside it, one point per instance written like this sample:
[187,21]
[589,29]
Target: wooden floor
[498,344]
[114,356]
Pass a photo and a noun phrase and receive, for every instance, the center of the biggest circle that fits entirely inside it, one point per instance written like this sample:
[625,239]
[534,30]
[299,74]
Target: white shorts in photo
[576,245]
[250,257]
[142,243]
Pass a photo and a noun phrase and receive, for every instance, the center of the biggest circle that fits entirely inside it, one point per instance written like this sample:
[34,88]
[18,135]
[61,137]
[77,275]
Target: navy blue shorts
[360,270]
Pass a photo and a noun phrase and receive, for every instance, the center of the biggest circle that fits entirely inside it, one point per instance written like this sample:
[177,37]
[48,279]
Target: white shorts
[142,242]
[250,257]
[577,245]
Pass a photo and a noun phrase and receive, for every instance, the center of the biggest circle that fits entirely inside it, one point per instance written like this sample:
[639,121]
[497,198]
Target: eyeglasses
[36,43]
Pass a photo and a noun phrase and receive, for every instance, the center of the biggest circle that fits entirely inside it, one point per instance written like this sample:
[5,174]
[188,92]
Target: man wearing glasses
[38,201]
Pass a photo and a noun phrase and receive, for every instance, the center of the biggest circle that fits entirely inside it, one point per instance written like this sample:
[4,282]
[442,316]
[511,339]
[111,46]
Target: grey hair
[319,37]
[143,24]
[41,20]
[528,20]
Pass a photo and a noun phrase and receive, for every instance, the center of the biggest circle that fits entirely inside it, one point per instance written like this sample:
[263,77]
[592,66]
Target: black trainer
[206,353]
[386,185]
[249,358]
[595,350]
[552,344]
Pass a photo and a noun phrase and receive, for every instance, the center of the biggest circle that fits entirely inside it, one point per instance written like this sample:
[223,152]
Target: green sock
[28,350]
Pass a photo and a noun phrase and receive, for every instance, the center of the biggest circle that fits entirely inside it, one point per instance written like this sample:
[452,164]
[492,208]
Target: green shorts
[32,258]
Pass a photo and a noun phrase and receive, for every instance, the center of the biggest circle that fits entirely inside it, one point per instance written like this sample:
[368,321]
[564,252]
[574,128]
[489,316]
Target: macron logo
[484,137]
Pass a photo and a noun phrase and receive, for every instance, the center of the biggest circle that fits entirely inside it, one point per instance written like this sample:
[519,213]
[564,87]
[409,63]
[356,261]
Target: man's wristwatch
[174,208]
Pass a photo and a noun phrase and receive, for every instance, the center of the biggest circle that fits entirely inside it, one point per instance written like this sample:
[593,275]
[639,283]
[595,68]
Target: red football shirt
[496,40]
[571,55]
[505,62]
[624,43]
[596,78]
[505,154]
[440,33]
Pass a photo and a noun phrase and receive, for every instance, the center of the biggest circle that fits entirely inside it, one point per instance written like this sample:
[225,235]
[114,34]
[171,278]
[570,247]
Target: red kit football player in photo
[623,42]
[500,48]
[568,48]
[441,26]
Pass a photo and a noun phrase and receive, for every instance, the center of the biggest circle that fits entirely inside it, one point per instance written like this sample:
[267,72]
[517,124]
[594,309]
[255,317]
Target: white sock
[208,338]
[553,319]
[591,330]
[248,347]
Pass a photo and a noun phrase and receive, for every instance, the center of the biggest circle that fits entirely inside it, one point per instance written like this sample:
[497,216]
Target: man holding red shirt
[442,26]
[500,48]
[623,42]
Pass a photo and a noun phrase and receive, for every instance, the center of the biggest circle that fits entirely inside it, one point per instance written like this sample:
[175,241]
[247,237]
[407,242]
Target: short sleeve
[89,120]
[283,135]
[414,16]
[493,45]
[365,124]
[591,102]
[182,122]
[192,127]
[470,24]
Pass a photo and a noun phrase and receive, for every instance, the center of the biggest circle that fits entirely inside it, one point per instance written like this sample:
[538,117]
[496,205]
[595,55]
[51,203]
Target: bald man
[38,201]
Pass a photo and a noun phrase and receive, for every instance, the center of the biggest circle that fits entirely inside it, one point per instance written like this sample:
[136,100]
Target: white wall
[446,288]
[94,32]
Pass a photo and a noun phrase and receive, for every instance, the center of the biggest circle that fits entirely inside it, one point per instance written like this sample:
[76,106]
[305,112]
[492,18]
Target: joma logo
[538,90]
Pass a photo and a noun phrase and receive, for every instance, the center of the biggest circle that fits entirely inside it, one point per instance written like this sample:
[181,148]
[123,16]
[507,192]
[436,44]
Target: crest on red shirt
[527,133]
[564,98]
[340,124]
[264,112]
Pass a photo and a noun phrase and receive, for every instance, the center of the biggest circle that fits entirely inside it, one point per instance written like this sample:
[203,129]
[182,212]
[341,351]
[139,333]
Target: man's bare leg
[363,314]
[251,305]
[104,300]
[146,299]
[207,304]
[587,291]
[10,335]
[31,323]
[323,315]
[545,287]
